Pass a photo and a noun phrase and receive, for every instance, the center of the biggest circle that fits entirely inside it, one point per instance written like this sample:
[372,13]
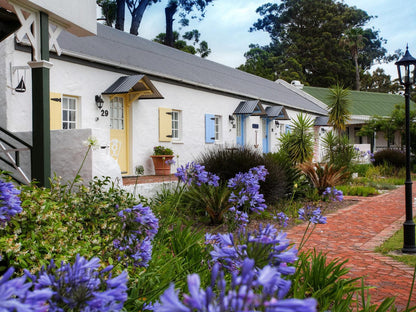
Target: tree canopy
[181,44]
[306,38]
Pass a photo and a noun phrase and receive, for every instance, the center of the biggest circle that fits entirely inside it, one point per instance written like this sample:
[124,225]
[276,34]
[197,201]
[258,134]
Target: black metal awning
[252,108]
[134,83]
[276,112]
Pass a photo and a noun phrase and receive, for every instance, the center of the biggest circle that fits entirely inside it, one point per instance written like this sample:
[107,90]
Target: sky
[227,22]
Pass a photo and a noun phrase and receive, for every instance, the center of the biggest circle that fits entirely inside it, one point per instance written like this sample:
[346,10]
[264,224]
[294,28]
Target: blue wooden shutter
[209,128]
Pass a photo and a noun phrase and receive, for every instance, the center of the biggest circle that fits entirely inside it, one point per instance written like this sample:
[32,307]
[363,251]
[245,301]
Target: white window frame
[117,122]
[218,128]
[176,125]
[71,122]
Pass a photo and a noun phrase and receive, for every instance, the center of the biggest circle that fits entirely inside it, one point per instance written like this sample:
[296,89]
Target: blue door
[240,129]
[265,135]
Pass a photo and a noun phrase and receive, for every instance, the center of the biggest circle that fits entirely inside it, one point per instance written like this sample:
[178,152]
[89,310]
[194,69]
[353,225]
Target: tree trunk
[170,11]
[137,16]
[357,73]
[121,7]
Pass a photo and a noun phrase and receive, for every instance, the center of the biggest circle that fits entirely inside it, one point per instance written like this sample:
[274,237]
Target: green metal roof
[362,103]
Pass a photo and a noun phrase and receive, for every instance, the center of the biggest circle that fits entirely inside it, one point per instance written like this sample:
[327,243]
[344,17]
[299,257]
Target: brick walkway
[353,233]
[148,179]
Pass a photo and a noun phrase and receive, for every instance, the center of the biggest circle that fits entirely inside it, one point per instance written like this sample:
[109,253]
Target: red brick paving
[148,179]
[353,233]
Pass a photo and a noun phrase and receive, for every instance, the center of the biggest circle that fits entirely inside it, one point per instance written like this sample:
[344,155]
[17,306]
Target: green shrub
[361,169]
[58,225]
[390,157]
[357,190]
[227,162]
[338,151]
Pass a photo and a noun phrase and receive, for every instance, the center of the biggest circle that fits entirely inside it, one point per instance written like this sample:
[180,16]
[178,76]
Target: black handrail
[15,138]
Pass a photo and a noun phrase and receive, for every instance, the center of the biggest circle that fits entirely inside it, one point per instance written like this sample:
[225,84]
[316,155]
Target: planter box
[159,162]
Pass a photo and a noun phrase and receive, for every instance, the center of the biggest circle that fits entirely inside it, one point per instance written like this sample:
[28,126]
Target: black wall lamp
[99,101]
[276,122]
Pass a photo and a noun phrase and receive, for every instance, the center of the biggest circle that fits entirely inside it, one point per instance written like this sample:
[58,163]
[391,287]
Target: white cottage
[134,94]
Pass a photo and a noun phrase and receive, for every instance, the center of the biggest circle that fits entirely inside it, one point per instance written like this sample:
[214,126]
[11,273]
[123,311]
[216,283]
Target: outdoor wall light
[99,101]
[405,66]
[276,122]
[231,118]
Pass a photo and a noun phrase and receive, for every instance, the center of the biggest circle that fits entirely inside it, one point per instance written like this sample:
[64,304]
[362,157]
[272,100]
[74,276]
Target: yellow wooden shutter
[165,124]
[55,111]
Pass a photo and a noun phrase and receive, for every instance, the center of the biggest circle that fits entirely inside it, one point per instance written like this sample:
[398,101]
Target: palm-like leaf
[323,176]
[339,113]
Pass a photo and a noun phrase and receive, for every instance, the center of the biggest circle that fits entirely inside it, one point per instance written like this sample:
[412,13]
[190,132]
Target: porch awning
[134,84]
[277,112]
[252,108]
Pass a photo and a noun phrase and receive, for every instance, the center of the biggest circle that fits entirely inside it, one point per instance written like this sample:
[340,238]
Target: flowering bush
[251,289]
[139,226]
[161,150]
[264,246]
[9,202]
[193,173]
[333,194]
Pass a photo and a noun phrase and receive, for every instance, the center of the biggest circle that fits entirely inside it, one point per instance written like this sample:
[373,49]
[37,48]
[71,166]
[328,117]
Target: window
[176,123]
[218,128]
[170,124]
[213,128]
[69,112]
[117,113]
[238,121]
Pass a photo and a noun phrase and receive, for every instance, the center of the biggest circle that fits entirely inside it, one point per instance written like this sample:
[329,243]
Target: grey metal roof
[252,107]
[276,112]
[117,48]
[321,121]
[133,83]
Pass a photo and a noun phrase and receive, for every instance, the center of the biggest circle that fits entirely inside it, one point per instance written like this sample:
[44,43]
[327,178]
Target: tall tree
[309,32]
[186,7]
[108,11]
[354,40]
[121,8]
[203,50]
[339,112]
[137,9]
[379,81]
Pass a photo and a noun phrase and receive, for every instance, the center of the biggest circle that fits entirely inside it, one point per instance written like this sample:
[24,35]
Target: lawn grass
[394,245]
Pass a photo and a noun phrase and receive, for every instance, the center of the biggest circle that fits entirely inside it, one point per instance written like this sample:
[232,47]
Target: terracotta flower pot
[159,162]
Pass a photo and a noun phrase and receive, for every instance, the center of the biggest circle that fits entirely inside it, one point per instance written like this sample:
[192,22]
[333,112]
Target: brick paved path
[353,233]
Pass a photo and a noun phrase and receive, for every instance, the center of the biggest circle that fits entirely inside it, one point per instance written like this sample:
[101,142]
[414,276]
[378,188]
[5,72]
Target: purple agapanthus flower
[139,226]
[194,173]
[333,194]
[9,202]
[312,214]
[246,189]
[281,218]
[251,289]
[81,287]
[265,246]
[17,295]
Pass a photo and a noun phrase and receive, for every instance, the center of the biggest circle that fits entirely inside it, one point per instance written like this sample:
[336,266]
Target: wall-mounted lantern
[99,101]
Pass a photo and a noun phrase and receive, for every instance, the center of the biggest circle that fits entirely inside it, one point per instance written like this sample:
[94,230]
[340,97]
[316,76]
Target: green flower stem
[79,170]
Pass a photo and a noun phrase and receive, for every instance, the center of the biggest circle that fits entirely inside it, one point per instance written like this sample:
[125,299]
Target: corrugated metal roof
[252,107]
[133,83]
[321,121]
[362,103]
[117,48]
[277,112]
[123,84]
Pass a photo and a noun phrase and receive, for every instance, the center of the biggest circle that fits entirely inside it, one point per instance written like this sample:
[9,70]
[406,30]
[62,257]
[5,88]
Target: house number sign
[104,112]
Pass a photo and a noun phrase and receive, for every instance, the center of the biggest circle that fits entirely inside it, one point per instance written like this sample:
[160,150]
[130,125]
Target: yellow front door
[119,148]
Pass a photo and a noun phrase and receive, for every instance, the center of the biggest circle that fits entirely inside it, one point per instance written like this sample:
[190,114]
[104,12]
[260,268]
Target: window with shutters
[218,128]
[69,112]
[176,124]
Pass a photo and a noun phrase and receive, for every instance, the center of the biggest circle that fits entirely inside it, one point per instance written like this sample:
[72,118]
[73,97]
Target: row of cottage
[133,94]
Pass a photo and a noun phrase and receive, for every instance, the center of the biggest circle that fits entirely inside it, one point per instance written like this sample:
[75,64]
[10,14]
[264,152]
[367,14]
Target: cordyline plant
[323,175]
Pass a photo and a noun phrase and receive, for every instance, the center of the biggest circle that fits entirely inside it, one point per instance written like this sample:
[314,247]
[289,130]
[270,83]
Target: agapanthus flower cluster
[265,246]
[170,162]
[281,218]
[9,202]
[139,226]
[17,294]
[312,214]
[246,189]
[251,289]
[333,194]
[194,173]
[81,287]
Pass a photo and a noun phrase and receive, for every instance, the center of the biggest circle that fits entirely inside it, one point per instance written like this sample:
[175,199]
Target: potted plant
[162,159]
